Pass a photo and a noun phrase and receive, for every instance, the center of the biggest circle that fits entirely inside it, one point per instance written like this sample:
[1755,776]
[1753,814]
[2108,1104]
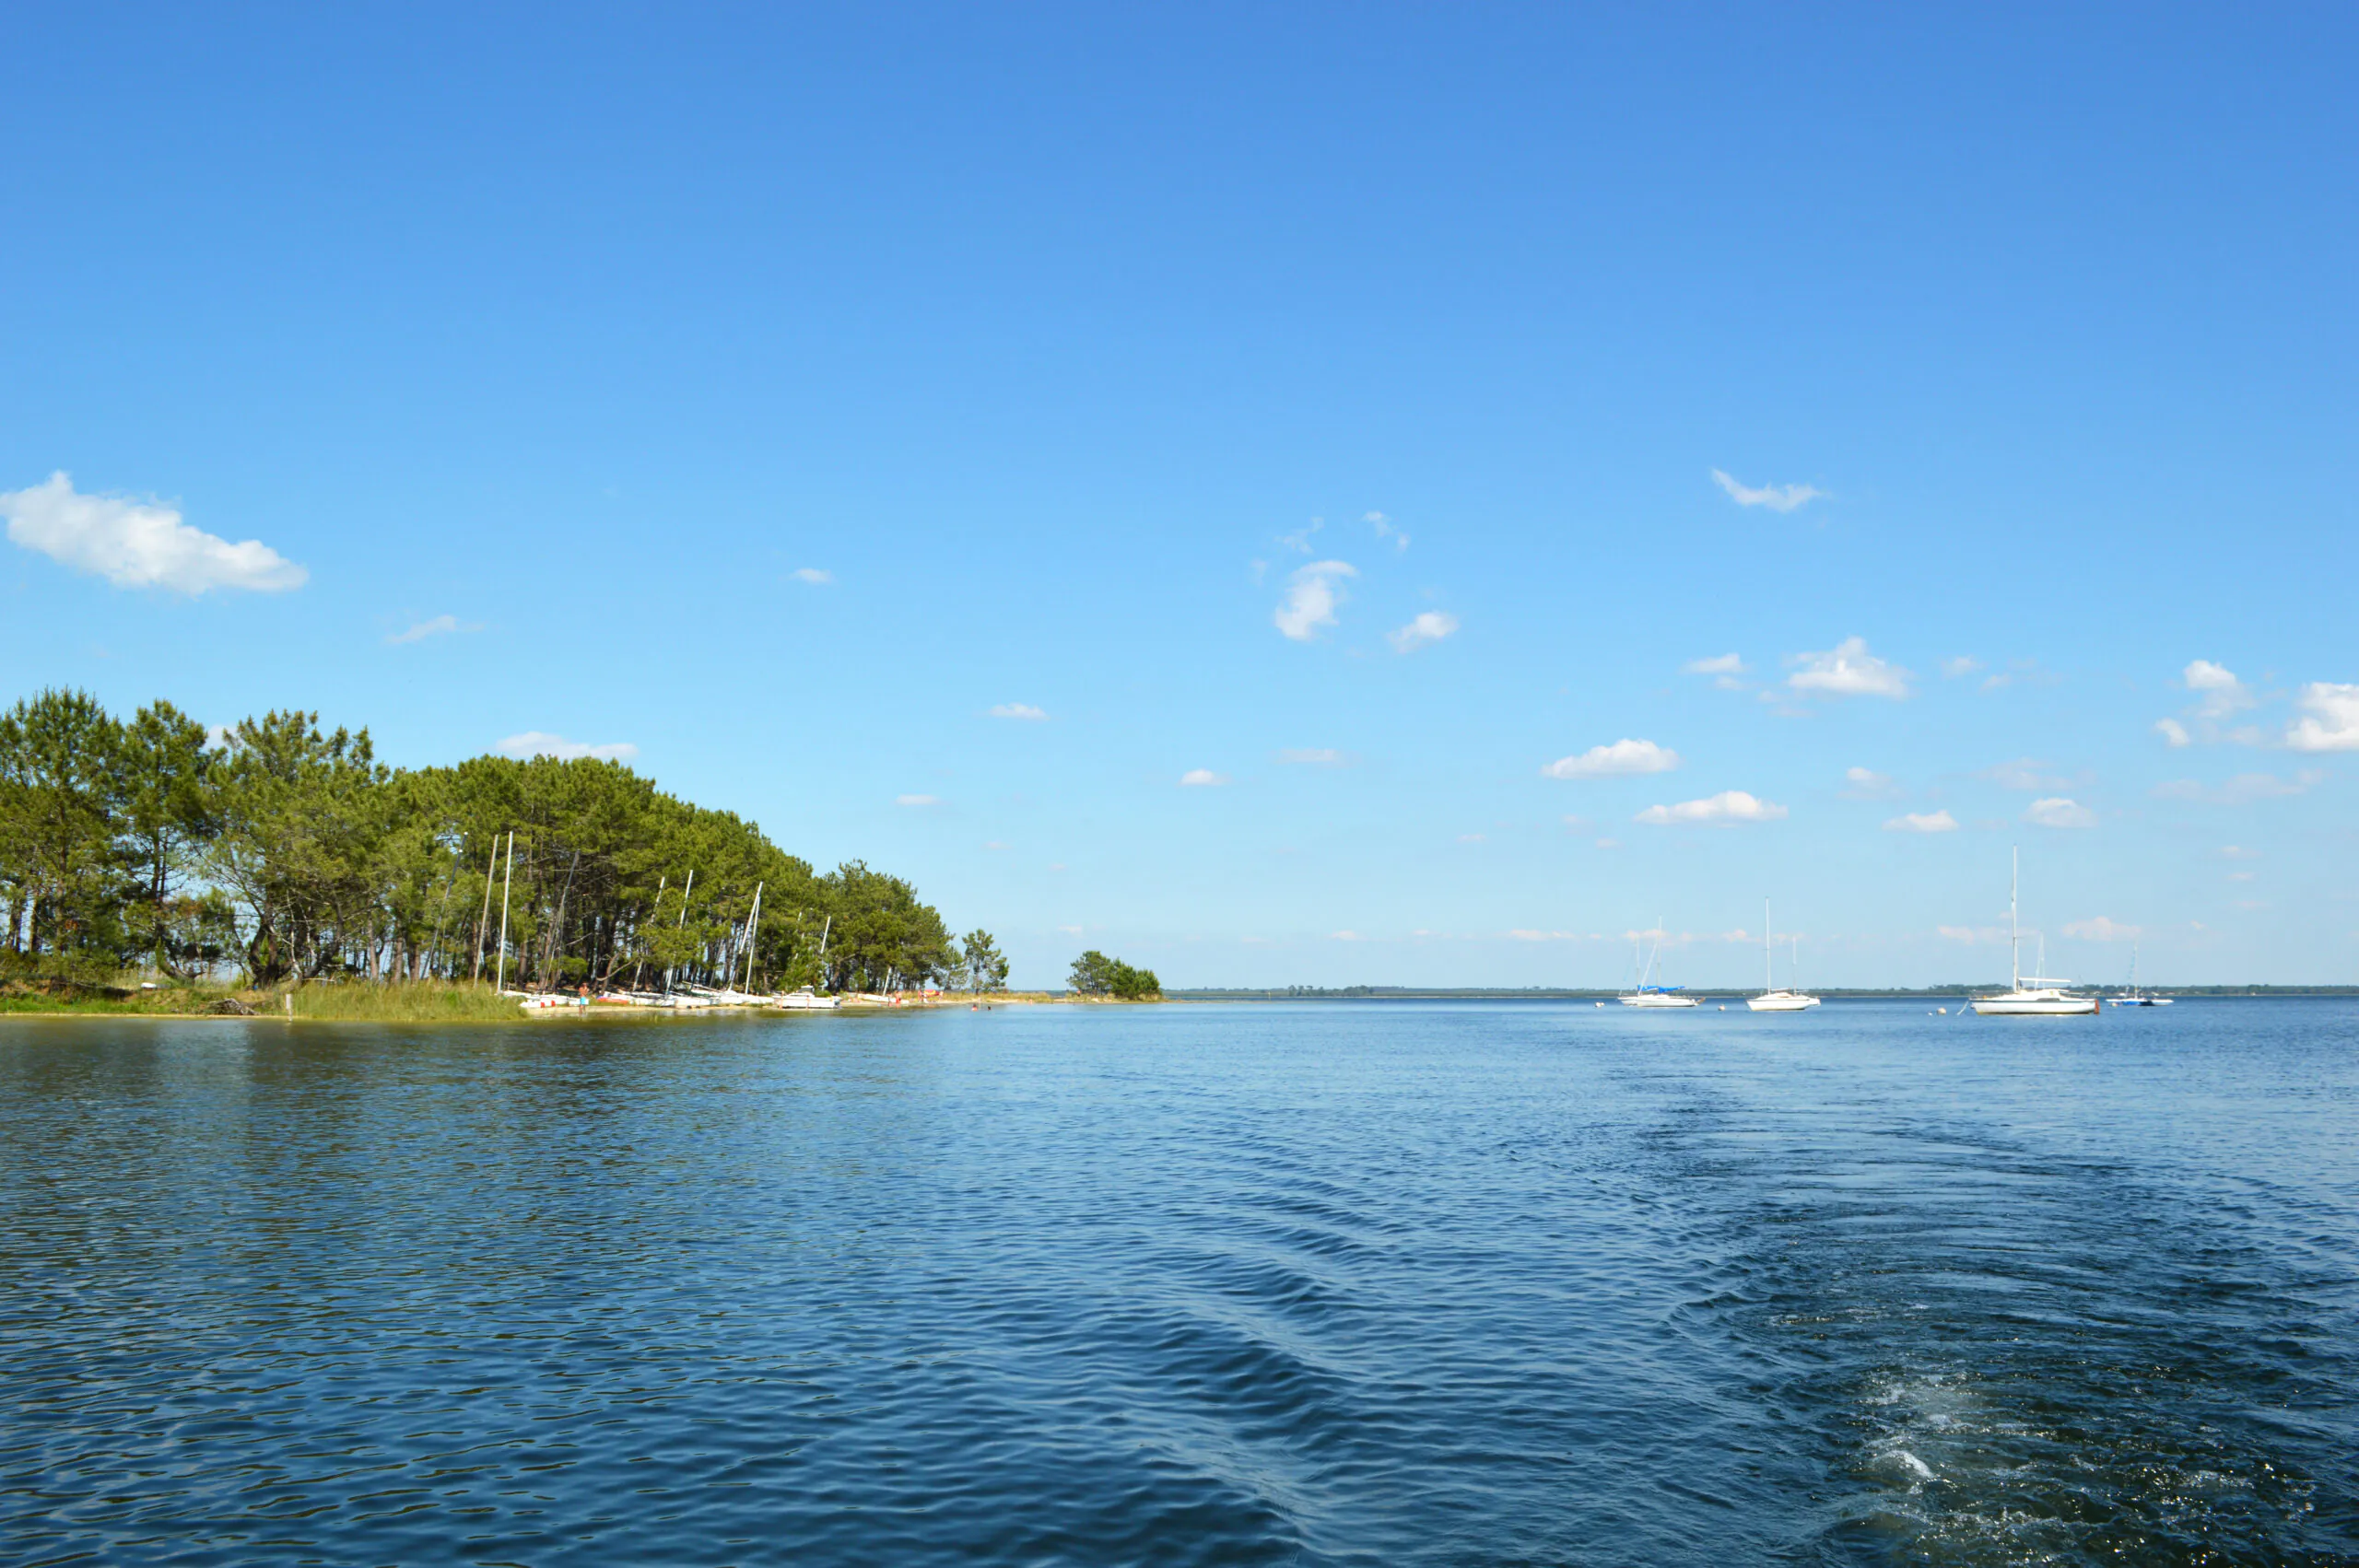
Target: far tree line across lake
[286,853]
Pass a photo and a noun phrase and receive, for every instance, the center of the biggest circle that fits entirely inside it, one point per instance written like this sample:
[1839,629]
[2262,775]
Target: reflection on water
[1373,1284]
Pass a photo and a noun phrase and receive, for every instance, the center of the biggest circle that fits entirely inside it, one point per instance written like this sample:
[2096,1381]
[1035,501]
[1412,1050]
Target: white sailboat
[2029,996]
[1771,998]
[2134,997]
[1653,996]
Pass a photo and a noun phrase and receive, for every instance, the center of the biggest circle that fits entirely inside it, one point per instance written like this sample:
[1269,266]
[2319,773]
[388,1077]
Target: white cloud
[2222,693]
[1473,838]
[1070,930]
[2332,719]
[2173,732]
[1523,933]
[538,743]
[1430,625]
[441,626]
[1313,594]
[1729,806]
[2243,789]
[2058,812]
[813,575]
[139,545]
[994,844]
[2097,928]
[1609,843]
[1018,710]
[917,800]
[1387,529]
[1202,779]
[1867,784]
[1922,821]
[1962,665]
[1776,497]
[1970,933]
[1345,936]
[1848,670]
[1624,756]
[1315,757]
[2239,852]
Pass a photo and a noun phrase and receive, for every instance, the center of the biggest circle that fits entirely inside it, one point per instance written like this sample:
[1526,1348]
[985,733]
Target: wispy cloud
[1023,710]
[1776,497]
[2056,811]
[1299,540]
[2329,720]
[1726,669]
[2173,732]
[2023,773]
[1867,784]
[2097,928]
[1315,757]
[1203,779]
[1624,756]
[1387,529]
[139,544]
[1952,669]
[441,626]
[1848,670]
[1922,821]
[2242,790]
[1313,594]
[539,743]
[1429,627]
[1728,806]
[917,801]
[1473,838]
[1970,933]
[813,575]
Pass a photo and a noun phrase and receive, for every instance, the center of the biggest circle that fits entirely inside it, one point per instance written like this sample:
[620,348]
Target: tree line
[288,853]
[1094,973]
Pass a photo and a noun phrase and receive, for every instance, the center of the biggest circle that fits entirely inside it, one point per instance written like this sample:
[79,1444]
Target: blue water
[1374,1284]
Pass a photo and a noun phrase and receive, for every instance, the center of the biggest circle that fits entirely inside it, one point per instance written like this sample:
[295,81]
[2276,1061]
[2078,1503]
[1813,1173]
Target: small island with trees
[159,866]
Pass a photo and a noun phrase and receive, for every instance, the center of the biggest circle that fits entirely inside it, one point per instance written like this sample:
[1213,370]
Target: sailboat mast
[2014,929]
[1768,976]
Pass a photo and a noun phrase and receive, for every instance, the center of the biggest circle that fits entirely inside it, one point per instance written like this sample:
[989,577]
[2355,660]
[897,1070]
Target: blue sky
[1328,404]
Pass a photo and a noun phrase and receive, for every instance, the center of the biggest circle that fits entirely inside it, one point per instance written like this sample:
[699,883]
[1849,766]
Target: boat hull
[2036,1007]
[1781,1001]
[1660,1002]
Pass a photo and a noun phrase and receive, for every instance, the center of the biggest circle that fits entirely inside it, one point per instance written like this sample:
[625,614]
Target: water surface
[1290,1284]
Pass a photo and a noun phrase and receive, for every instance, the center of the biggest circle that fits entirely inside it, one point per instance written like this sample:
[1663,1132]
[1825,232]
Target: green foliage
[1094,973]
[292,853]
[986,967]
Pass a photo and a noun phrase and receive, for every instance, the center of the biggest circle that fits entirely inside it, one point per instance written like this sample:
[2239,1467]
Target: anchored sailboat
[1653,996]
[2133,997]
[2032,995]
[1771,998]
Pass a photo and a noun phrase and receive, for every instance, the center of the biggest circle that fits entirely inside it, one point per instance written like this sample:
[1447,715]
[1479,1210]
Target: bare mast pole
[507,881]
[753,923]
[482,921]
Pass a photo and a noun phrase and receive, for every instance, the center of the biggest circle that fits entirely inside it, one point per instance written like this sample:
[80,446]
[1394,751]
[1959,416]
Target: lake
[1311,1283]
